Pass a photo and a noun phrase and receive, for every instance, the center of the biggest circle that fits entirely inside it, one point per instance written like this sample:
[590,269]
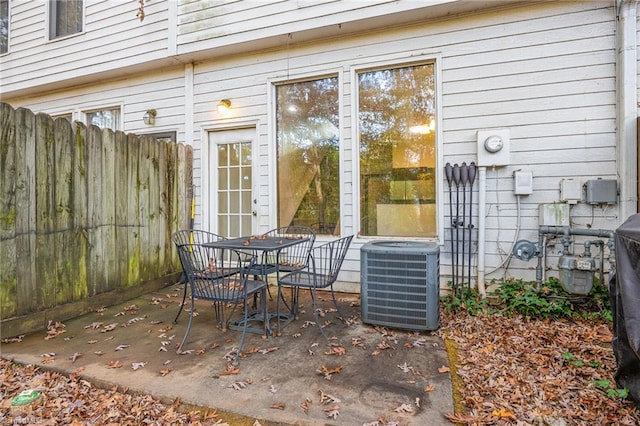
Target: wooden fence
[84,212]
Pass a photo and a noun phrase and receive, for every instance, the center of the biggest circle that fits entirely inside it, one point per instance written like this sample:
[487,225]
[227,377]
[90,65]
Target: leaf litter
[516,371]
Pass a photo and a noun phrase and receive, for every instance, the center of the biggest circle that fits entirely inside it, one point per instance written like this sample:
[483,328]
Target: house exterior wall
[544,71]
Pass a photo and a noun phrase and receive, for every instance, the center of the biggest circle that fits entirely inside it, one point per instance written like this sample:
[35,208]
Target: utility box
[601,191]
[570,191]
[556,214]
[400,284]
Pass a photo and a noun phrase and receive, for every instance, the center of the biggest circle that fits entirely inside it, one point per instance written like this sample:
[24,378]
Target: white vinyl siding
[545,71]
[113,38]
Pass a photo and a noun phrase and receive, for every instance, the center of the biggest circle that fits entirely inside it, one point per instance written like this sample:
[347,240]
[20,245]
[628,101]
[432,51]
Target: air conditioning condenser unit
[400,284]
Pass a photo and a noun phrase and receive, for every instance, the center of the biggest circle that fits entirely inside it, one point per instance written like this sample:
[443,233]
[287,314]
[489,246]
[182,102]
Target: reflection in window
[396,119]
[65,18]
[165,137]
[4,26]
[107,118]
[308,154]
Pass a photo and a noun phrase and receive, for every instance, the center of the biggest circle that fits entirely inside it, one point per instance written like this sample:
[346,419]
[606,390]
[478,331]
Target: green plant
[471,302]
[611,391]
[571,359]
[552,301]
[520,297]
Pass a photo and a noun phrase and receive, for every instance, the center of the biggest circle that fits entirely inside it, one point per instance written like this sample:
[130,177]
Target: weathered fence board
[84,212]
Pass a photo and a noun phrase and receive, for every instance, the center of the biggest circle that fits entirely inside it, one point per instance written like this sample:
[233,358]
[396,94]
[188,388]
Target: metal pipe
[482,206]
[472,179]
[566,231]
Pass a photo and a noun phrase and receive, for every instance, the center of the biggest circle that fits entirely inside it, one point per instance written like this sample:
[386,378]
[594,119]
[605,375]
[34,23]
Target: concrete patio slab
[360,375]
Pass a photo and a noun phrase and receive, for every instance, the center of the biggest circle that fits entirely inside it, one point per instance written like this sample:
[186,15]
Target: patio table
[256,245]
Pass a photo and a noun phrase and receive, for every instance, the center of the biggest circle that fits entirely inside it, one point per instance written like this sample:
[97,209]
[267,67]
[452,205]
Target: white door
[232,202]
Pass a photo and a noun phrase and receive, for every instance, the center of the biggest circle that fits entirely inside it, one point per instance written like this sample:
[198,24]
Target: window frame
[120,123]
[334,76]
[272,83]
[170,134]
[51,13]
[8,44]
[399,62]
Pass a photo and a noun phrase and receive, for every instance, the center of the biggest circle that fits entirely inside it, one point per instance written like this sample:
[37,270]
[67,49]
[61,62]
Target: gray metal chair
[224,281]
[191,236]
[325,262]
[292,258]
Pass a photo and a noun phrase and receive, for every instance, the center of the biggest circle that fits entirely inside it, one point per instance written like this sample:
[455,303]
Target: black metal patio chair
[325,262]
[292,258]
[191,236]
[221,278]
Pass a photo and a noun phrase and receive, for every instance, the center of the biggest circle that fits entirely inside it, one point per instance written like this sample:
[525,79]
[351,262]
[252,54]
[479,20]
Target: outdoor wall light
[149,117]
[224,106]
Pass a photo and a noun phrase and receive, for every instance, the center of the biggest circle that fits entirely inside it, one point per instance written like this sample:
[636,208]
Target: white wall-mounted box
[523,182]
[494,147]
[556,214]
[570,191]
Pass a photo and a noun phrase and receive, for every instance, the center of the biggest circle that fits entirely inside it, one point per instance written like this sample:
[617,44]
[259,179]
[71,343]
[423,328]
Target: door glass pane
[222,155]
[396,123]
[234,202]
[246,177]
[234,178]
[308,154]
[234,157]
[223,205]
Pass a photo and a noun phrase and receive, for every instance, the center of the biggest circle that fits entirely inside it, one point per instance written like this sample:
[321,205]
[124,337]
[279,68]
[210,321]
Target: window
[307,139]
[68,117]
[4,26]
[396,123]
[65,18]
[162,136]
[107,118]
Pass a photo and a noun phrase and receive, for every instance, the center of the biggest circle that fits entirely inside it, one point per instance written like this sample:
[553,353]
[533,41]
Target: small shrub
[520,297]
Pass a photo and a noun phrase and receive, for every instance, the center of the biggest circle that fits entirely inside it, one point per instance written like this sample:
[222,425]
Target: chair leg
[186,333]
[335,304]
[314,302]
[184,298]
[244,330]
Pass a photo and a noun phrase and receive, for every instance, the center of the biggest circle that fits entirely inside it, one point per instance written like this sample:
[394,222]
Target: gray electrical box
[601,191]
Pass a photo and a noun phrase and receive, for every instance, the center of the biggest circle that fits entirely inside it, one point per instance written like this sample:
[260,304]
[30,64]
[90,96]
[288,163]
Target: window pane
[108,118]
[397,151]
[66,17]
[4,26]
[246,177]
[308,155]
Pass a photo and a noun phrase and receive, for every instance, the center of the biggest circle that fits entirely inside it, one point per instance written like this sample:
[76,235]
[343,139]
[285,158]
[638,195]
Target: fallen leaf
[278,406]
[137,365]
[444,369]
[336,350]
[404,408]
[114,364]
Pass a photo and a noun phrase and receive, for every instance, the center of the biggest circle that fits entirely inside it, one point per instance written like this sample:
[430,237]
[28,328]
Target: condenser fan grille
[400,284]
